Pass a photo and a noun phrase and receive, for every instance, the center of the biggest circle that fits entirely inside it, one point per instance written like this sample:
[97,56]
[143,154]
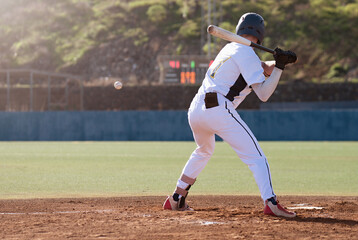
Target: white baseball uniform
[230,76]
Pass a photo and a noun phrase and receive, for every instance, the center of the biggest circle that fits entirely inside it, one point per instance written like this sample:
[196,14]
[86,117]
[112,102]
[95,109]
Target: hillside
[121,39]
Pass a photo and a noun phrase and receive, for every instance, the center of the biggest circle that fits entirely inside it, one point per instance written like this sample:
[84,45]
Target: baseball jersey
[233,71]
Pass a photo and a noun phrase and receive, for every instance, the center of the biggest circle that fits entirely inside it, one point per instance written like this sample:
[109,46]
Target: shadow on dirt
[325,220]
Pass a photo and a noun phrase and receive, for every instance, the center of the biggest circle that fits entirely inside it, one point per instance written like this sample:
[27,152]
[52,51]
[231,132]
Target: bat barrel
[229,36]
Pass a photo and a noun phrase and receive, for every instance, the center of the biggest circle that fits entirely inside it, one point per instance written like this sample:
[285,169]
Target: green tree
[156,13]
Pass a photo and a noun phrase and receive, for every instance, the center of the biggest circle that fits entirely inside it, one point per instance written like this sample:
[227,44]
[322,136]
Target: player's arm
[265,89]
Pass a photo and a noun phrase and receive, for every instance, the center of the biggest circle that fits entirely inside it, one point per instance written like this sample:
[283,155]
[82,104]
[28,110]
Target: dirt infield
[215,217]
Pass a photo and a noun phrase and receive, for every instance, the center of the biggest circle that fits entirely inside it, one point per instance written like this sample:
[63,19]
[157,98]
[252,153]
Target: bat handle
[262,47]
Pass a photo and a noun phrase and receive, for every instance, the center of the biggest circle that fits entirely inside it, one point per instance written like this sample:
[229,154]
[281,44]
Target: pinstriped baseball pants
[224,121]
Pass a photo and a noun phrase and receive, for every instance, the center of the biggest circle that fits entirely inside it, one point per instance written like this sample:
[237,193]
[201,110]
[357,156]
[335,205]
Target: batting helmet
[251,24]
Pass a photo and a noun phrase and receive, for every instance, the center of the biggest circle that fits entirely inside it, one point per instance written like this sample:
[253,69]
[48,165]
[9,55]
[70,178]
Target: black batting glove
[283,58]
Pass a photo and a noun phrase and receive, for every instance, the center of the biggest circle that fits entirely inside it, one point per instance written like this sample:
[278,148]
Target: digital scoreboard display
[183,69]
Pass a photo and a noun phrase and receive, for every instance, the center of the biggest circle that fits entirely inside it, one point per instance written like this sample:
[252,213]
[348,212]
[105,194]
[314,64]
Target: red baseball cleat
[171,204]
[272,207]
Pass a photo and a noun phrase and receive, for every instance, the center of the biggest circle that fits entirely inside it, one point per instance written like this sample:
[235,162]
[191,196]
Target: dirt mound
[215,217]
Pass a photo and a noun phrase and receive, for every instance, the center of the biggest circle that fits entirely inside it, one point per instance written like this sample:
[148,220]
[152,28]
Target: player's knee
[204,153]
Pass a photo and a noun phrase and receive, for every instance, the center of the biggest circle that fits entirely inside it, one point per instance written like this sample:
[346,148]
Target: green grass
[85,169]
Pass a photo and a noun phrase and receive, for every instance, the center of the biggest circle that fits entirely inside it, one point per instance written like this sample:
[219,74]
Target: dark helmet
[251,24]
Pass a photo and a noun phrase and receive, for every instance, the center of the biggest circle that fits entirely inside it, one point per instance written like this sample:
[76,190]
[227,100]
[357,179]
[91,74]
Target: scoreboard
[183,69]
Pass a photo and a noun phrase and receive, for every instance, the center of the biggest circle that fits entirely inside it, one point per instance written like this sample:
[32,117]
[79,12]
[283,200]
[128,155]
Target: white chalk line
[305,206]
[58,212]
[206,223]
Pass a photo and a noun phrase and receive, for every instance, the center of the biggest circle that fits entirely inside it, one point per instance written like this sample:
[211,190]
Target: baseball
[117,85]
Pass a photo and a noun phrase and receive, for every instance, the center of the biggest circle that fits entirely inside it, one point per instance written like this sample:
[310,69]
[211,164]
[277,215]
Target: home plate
[304,206]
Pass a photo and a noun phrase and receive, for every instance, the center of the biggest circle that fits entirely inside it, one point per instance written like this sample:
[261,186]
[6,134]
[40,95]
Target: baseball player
[235,72]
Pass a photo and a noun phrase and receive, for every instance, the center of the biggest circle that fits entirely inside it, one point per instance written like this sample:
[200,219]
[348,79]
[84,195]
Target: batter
[235,73]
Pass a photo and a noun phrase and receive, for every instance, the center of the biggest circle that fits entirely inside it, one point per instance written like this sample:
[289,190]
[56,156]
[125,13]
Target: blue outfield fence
[172,125]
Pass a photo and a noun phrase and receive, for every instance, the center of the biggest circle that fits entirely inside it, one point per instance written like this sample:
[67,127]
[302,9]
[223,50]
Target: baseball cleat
[272,207]
[171,204]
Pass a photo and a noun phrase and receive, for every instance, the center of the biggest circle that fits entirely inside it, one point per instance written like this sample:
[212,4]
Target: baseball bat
[232,37]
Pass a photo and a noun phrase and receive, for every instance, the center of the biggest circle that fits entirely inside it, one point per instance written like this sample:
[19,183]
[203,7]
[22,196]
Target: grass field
[87,169]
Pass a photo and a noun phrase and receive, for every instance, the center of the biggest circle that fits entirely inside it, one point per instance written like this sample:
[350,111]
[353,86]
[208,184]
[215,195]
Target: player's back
[225,70]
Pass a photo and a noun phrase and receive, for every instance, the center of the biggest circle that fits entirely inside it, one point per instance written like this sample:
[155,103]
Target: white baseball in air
[118,85]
